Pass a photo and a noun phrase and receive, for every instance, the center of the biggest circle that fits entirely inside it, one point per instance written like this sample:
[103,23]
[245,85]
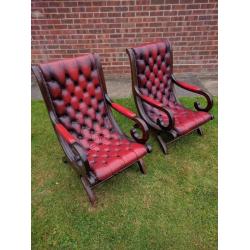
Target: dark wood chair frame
[159,127]
[75,153]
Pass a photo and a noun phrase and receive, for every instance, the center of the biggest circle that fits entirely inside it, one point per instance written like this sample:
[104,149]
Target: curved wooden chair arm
[81,155]
[139,123]
[76,147]
[197,90]
[159,106]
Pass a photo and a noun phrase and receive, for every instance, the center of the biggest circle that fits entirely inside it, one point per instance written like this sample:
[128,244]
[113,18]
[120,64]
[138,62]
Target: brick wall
[62,29]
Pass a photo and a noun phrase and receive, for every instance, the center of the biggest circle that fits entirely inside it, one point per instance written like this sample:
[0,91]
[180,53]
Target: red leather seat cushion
[185,119]
[109,153]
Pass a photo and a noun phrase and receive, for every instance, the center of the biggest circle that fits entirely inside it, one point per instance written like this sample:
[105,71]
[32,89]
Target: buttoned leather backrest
[76,95]
[154,69]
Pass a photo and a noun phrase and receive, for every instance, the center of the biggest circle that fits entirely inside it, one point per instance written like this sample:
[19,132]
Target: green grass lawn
[174,206]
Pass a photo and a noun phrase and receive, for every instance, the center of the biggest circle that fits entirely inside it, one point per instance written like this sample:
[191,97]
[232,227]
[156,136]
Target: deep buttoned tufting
[109,153]
[78,101]
[154,69]
[76,94]
[185,119]
[154,79]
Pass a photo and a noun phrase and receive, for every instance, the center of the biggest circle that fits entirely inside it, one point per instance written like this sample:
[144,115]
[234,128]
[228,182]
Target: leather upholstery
[123,110]
[64,133]
[189,87]
[152,101]
[110,153]
[154,69]
[78,101]
[185,119]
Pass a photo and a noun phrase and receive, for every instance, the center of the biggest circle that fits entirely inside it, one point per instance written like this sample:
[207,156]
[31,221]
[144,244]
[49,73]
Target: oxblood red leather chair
[153,89]
[75,94]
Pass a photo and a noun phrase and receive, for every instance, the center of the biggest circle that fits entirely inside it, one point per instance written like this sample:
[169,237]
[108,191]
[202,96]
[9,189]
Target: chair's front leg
[162,144]
[87,179]
[142,166]
[65,159]
[89,191]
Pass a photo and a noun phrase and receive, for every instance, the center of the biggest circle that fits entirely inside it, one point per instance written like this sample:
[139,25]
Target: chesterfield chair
[75,94]
[153,85]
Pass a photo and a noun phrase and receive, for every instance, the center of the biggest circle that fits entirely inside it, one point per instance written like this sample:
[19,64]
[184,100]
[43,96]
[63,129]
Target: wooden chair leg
[64,159]
[142,166]
[162,144]
[200,131]
[89,191]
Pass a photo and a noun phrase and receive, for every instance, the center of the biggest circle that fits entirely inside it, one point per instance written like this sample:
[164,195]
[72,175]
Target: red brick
[70,4]
[157,2]
[172,1]
[69,28]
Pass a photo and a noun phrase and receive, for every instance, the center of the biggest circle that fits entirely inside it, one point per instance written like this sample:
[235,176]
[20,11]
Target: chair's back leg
[89,191]
[64,159]
[142,166]
[199,131]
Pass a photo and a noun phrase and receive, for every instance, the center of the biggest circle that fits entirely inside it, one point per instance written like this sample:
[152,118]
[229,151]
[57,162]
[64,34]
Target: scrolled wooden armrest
[197,90]
[159,106]
[80,155]
[139,123]
[72,141]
